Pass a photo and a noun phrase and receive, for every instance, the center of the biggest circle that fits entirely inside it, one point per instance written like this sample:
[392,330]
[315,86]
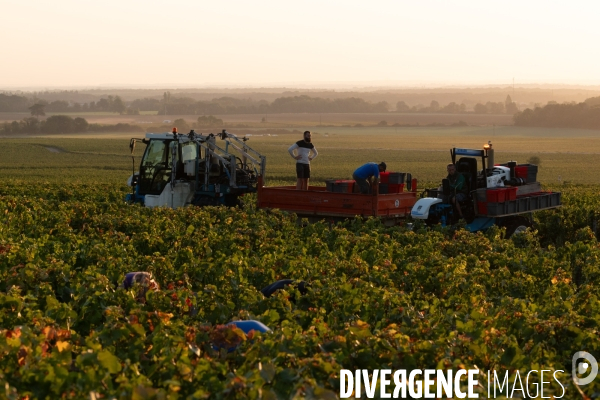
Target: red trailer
[317,203]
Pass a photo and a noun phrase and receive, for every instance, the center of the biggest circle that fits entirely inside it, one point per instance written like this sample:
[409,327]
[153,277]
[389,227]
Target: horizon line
[346,86]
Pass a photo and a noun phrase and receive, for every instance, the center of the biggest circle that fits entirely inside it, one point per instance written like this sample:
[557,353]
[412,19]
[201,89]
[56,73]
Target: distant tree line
[66,124]
[434,107]
[183,126]
[62,124]
[170,105]
[299,104]
[508,107]
[228,105]
[15,103]
[110,104]
[568,115]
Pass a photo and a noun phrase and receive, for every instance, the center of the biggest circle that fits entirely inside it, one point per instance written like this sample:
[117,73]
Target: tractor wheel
[235,203]
[517,225]
[202,201]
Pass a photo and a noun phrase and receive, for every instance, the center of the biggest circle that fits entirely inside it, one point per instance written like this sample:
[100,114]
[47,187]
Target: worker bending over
[367,176]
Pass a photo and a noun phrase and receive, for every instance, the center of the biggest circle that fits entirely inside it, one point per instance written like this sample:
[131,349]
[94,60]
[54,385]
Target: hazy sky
[201,43]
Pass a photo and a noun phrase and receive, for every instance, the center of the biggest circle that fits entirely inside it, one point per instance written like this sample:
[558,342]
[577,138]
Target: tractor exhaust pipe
[512,165]
[489,154]
[490,157]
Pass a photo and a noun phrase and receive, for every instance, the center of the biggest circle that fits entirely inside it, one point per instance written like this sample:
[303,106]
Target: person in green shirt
[458,186]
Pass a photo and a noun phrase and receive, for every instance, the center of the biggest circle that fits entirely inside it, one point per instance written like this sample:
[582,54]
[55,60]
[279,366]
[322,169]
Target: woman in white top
[305,153]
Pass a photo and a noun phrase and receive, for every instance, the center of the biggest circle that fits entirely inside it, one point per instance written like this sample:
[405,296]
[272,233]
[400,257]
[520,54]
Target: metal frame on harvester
[202,188]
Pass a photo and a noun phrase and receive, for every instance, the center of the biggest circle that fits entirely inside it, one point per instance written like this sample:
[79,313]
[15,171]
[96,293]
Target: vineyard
[378,297]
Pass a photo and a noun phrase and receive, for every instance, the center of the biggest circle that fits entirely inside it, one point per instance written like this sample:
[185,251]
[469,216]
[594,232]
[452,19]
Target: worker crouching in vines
[144,282]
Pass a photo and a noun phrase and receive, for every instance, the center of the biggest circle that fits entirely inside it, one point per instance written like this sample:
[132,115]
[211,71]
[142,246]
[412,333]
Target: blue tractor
[192,169]
[503,195]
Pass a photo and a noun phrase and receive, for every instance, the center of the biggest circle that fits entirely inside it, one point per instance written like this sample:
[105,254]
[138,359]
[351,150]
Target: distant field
[65,160]
[300,120]
[566,155]
[425,151]
[340,119]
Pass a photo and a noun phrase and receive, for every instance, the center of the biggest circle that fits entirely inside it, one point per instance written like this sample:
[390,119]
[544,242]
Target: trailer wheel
[517,225]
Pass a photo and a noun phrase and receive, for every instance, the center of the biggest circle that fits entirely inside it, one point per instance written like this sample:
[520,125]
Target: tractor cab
[488,175]
[475,176]
[156,166]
